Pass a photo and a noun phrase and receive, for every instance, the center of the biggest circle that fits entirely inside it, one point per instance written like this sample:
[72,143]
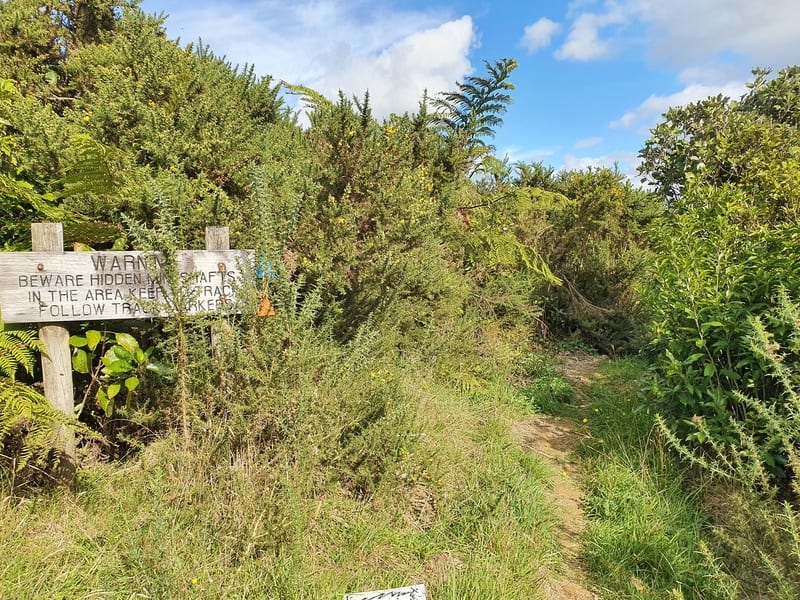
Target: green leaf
[131,383]
[116,367]
[127,341]
[93,338]
[118,353]
[706,326]
[80,361]
[709,370]
[104,402]
[78,341]
[113,390]
[693,358]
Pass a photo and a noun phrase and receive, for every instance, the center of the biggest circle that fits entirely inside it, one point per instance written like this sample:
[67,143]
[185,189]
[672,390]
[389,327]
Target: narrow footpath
[554,439]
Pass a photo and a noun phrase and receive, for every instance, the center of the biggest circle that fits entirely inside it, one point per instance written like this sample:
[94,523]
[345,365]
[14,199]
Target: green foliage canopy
[730,174]
[751,143]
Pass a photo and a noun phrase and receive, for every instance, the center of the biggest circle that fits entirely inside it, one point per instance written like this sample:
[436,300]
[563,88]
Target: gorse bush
[283,386]
[589,229]
[367,239]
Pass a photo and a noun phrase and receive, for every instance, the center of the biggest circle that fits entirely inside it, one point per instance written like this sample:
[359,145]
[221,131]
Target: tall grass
[646,537]
[313,469]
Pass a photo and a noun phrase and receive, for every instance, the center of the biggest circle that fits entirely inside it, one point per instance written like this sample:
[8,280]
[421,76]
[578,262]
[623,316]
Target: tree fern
[473,112]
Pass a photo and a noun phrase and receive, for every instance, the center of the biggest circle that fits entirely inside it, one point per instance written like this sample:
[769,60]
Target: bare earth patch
[553,439]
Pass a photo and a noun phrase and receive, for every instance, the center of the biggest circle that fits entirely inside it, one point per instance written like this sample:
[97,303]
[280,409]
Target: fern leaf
[18,348]
[91,171]
[23,410]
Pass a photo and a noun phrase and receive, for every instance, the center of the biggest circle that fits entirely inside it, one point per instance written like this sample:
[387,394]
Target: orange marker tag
[265,308]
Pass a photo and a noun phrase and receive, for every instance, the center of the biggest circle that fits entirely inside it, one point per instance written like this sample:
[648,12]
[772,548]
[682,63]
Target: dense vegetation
[417,277]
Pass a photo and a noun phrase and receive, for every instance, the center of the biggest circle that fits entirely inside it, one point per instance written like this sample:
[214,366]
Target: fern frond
[18,348]
[91,170]
[309,96]
[23,410]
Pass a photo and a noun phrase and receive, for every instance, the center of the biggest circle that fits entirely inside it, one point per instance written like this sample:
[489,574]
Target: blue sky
[594,75]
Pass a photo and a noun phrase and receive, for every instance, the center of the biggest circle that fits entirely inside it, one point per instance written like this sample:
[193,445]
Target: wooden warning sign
[42,287]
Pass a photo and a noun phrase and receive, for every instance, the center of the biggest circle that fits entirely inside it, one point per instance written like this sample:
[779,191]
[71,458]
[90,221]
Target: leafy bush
[115,364]
[757,460]
[718,269]
[751,143]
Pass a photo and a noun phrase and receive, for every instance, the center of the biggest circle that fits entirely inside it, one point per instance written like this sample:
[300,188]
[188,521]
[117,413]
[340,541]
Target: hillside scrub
[363,426]
[723,290]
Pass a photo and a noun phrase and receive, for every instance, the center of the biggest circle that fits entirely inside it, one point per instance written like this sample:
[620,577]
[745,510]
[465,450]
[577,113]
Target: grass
[646,536]
[338,469]
[461,508]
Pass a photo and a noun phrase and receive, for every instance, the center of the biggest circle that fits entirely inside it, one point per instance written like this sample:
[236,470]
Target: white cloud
[588,142]
[583,42]
[539,34]
[710,73]
[684,31]
[649,111]
[515,154]
[626,162]
[329,45]
[396,78]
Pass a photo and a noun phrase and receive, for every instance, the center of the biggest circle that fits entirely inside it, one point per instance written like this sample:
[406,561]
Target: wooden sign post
[51,287]
[56,361]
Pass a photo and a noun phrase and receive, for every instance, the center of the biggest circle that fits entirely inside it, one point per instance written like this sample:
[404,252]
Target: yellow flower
[585,420]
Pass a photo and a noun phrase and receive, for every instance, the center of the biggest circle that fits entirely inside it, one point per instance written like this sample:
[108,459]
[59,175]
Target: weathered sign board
[413,592]
[50,287]
[46,287]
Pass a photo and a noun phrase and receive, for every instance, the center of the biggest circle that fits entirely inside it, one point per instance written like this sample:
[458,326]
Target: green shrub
[718,269]
[589,228]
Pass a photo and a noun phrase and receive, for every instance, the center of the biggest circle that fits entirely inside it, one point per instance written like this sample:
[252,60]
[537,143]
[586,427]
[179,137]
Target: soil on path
[554,439]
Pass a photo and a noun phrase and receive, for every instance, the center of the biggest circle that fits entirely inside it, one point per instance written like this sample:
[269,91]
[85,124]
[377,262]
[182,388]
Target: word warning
[42,287]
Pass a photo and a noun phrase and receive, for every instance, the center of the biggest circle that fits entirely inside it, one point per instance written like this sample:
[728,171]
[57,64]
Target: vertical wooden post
[217,238]
[56,362]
